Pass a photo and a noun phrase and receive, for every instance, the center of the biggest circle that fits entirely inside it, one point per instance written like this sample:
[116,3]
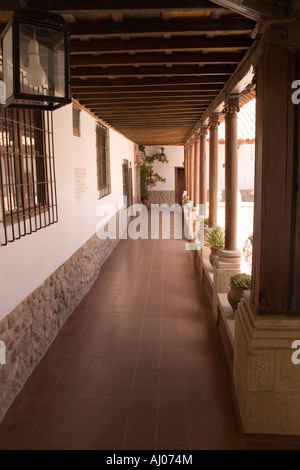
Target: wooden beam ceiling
[151,70]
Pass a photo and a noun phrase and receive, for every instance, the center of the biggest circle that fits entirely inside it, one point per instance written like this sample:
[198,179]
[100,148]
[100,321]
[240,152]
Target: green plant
[241,280]
[206,222]
[215,238]
[148,177]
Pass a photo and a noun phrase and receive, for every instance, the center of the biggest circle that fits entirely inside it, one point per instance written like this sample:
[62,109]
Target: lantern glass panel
[8,62]
[42,61]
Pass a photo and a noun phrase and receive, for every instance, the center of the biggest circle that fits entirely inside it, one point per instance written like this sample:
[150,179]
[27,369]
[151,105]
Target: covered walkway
[139,365]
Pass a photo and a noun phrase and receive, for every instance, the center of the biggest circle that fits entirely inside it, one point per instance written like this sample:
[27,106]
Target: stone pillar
[231,172]
[188,168]
[186,157]
[203,168]
[137,170]
[266,372]
[191,169]
[197,170]
[229,262]
[213,170]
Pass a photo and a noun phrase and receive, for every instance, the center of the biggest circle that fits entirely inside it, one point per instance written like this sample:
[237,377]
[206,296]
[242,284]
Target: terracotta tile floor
[139,365]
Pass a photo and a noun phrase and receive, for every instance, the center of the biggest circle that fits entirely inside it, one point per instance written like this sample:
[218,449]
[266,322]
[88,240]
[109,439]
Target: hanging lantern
[163,157]
[36,60]
[152,176]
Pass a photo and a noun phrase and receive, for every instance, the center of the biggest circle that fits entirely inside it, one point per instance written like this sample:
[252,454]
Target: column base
[266,382]
[228,264]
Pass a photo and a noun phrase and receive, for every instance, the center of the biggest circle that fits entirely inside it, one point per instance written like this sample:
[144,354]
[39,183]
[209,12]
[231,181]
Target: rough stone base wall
[30,328]
[162,197]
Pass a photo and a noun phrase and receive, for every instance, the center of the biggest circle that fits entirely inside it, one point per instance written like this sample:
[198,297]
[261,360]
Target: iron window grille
[126,183]
[28,199]
[103,161]
[76,121]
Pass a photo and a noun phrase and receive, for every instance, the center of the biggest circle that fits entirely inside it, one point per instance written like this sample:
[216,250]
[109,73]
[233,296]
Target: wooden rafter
[89,7]
[158,26]
[255,9]
[156,58]
[152,81]
[159,70]
[186,43]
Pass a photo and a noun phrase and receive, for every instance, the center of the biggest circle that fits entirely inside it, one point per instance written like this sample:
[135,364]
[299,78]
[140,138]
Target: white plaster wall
[26,263]
[246,155]
[175,156]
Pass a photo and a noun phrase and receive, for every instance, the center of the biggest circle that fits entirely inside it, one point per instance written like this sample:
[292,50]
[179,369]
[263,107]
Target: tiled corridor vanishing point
[139,365]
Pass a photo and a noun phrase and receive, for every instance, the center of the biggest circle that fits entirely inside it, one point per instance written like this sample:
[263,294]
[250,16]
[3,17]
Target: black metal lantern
[36,60]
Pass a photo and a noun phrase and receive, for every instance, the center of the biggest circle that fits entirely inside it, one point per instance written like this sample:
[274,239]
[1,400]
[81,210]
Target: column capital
[232,106]
[197,137]
[214,120]
[203,131]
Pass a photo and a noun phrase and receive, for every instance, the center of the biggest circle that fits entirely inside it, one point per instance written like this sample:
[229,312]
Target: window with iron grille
[103,161]
[27,174]
[76,121]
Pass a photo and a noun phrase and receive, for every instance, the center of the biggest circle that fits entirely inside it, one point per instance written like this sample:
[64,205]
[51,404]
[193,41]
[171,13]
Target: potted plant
[148,177]
[214,239]
[238,283]
[185,200]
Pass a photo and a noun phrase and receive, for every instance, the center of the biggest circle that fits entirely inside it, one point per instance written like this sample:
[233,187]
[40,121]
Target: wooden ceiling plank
[147,71]
[80,60]
[137,100]
[157,44]
[147,90]
[152,81]
[89,7]
[153,113]
[133,26]
[151,107]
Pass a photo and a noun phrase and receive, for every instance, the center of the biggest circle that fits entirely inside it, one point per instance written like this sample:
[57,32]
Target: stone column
[213,170]
[203,168]
[266,372]
[231,172]
[137,170]
[191,169]
[229,262]
[186,157]
[197,170]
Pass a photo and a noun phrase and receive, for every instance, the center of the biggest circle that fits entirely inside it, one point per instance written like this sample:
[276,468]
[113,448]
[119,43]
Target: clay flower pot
[214,254]
[234,296]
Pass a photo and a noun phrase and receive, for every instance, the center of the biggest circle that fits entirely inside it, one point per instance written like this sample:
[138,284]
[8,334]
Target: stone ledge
[162,197]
